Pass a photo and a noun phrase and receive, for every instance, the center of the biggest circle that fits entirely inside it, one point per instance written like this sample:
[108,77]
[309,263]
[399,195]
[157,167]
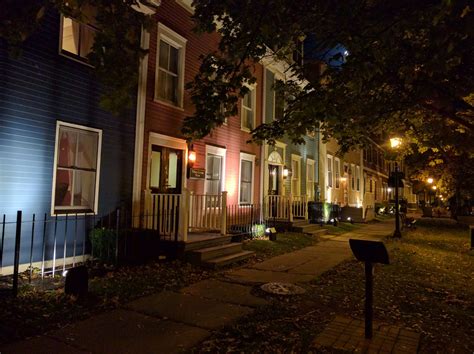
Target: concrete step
[306,228]
[204,254]
[229,259]
[211,242]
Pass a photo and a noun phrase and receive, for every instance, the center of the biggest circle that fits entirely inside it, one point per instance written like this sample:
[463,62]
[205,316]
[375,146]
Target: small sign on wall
[197,173]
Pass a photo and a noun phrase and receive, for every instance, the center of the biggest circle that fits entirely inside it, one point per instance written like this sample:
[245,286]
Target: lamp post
[395,143]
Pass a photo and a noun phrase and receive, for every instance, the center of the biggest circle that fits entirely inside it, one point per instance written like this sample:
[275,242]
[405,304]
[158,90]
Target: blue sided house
[62,158]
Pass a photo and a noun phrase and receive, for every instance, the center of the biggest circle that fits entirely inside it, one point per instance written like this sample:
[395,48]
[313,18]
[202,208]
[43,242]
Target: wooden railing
[207,212]
[277,207]
[300,206]
[162,214]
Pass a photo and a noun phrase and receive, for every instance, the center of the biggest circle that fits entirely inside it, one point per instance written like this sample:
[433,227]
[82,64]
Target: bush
[103,243]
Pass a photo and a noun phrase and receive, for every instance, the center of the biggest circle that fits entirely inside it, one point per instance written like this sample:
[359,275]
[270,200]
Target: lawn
[286,242]
[428,287]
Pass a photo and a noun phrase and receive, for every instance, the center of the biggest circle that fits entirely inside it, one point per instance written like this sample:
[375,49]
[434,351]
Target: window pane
[70,39]
[155,169]
[246,168]
[248,100]
[84,187]
[164,55]
[87,40]
[173,64]
[248,119]
[67,147]
[161,84]
[245,192]
[173,88]
[172,170]
[87,151]
[63,188]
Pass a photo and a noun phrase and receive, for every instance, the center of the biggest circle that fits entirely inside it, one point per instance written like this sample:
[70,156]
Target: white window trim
[251,158]
[353,176]
[64,53]
[97,171]
[298,159]
[310,164]
[186,5]
[175,40]
[253,92]
[337,183]
[330,184]
[215,150]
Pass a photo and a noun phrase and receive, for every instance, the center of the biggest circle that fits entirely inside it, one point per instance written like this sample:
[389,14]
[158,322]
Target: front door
[274,180]
[166,167]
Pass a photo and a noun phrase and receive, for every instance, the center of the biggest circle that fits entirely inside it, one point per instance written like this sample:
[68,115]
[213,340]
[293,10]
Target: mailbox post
[369,252]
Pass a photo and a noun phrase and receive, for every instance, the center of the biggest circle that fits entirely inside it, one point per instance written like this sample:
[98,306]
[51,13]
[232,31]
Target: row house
[63,159]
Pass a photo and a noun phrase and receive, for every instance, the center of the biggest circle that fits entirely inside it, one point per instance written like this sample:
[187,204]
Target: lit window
[329,181]
[337,171]
[248,110]
[310,179]
[246,178]
[358,177]
[295,176]
[77,159]
[170,66]
[77,38]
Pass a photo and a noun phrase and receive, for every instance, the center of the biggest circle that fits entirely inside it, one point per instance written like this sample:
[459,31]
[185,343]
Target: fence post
[224,214]
[16,262]
[290,202]
[184,215]
[117,235]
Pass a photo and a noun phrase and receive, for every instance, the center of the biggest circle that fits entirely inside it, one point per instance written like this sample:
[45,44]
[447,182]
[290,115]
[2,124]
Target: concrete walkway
[172,322]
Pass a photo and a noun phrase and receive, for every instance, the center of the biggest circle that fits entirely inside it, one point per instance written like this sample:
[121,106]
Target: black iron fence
[246,220]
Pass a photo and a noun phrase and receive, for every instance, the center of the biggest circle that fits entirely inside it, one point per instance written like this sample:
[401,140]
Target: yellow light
[343,179]
[434,187]
[285,172]
[192,156]
[389,190]
[395,142]
[430,180]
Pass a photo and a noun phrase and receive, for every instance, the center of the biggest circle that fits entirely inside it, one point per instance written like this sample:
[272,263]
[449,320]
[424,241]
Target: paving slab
[285,262]
[256,276]
[127,332]
[225,292]
[41,345]
[319,266]
[348,334]
[193,310]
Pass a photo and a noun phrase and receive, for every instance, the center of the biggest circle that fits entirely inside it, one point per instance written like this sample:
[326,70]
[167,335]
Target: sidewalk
[172,322]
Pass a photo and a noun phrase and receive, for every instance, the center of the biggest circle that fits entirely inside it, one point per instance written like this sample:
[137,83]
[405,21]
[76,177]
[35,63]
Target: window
[310,178]
[76,170]
[170,66]
[353,172]
[247,163]
[213,174]
[248,110]
[337,171]
[274,99]
[329,182]
[165,169]
[296,174]
[77,38]
[358,177]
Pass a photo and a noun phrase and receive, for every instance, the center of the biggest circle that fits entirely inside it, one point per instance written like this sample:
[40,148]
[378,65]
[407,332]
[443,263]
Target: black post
[368,300]
[16,262]
[117,235]
[397,233]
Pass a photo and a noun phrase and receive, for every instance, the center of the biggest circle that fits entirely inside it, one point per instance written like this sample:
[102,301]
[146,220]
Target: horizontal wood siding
[39,88]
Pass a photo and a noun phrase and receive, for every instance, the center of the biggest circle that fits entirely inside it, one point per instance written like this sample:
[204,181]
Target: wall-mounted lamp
[191,156]
[389,190]
[286,172]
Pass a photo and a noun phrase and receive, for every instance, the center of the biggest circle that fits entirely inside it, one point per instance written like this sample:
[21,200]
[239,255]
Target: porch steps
[229,259]
[207,243]
[307,228]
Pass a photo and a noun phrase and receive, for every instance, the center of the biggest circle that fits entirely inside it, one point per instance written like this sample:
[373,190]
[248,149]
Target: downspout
[140,125]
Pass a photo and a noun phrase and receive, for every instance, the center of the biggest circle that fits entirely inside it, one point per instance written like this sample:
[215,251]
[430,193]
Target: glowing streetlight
[429,180]
[395,142]
[434,188]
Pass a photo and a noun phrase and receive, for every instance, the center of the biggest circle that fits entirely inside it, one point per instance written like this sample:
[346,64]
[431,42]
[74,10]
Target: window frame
[329,170]
[337,173]
[77,210]
[64,53]
[297,159]
[252,92]
[310,166]
[218,151]
[177,41]
[358,178]
[246,157]
[353,177]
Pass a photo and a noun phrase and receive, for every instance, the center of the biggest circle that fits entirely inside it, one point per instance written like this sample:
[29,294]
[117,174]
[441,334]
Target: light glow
[429,180]
[395,142]
[192,156]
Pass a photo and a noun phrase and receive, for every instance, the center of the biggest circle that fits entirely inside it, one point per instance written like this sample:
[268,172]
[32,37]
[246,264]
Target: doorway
[274,185]
[166,170]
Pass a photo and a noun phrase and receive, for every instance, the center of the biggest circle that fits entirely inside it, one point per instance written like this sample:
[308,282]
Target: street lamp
[395,143]
[429,180]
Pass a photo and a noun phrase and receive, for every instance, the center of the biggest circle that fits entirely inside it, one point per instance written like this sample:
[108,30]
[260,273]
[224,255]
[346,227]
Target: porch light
[286,172]
[389,190]
[191,155]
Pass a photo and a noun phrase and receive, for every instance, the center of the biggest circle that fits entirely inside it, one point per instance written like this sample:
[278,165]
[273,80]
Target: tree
[403,67]
[116,51]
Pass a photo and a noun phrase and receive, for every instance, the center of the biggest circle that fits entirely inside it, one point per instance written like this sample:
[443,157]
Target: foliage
[116,51]
[408,69]
[104,244]
[426,288]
